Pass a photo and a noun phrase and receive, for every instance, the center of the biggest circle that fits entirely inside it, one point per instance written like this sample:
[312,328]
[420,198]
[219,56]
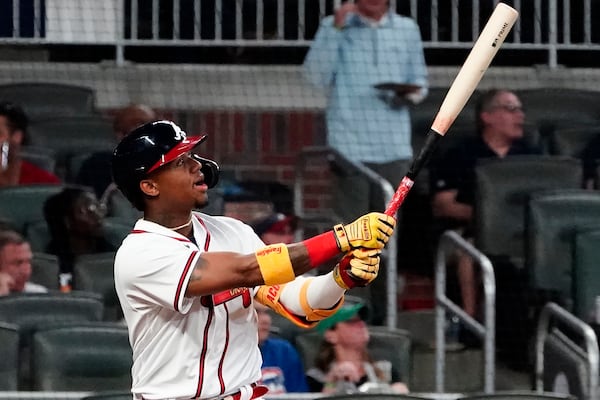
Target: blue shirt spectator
[362,46]
[282,369]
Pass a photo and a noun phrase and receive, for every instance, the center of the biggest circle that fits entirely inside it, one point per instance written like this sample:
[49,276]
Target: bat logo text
[500,34]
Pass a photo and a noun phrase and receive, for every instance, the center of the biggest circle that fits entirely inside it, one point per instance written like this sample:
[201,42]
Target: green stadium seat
[109,395]
[586,276]
[42,100]
[45,270]
[81,358]
[552,220]
[517,395]
[114,229]
[69,136]
[9,362]
[33,311]
[95,273]
[571,141]
[23,205]
[503,188]
[30,311]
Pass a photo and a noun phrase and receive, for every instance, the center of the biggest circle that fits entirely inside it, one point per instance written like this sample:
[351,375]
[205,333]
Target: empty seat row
[58,341]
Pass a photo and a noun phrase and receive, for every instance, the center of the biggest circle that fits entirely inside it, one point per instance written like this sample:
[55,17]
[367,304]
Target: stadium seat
[81,358]
[23,205]
[118,207]
[41,157]
[548,108]
[9,362]
[376,396]
[68,136]
[552,219]
[30,311]
[517,395]
[45,270]
[503,188]
[42,100]
[109,395]
[586,276]
[571,141]
[95,273]
[115,230]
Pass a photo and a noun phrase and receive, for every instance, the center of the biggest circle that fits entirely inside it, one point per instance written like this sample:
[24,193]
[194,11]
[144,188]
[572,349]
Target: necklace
[182,226]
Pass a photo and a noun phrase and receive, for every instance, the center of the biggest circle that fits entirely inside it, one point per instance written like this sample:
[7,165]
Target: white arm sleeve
[323,293]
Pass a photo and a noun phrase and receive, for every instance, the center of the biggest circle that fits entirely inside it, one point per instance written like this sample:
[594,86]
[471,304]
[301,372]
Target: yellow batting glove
[371,231]
[357,269]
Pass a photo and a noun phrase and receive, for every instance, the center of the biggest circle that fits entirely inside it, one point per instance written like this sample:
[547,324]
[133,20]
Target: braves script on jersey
[186,347]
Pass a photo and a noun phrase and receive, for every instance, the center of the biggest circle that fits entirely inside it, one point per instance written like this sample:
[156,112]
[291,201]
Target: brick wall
[262,145]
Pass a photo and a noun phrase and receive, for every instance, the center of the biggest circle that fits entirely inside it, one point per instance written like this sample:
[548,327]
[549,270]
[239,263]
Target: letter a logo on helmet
[148,148]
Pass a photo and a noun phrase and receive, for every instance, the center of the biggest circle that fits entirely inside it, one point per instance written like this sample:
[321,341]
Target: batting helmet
[149,147]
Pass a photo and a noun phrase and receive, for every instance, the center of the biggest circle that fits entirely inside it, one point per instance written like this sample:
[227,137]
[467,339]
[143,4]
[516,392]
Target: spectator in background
[13,135]
[282,369]
[15,265]
[74,217]
[276,228]
[95,170]
[499,123]
[371,62]
[343,362]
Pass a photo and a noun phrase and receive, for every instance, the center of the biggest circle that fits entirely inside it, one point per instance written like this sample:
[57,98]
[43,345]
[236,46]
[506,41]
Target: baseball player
[187,281]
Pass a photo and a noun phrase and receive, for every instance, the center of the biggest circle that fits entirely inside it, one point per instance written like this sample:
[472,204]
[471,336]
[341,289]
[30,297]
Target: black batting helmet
[149,147]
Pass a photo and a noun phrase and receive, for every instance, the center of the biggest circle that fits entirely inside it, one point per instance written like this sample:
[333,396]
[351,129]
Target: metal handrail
[451,241]
[554,311]
[390,253]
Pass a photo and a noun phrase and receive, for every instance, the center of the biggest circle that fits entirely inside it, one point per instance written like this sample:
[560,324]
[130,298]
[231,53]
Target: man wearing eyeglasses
[499,121]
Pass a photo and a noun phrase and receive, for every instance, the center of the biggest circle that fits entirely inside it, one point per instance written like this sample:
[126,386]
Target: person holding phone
[13,169]
[370,62]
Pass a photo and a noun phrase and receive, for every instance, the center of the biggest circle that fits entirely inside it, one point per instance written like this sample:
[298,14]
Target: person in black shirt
[499,124]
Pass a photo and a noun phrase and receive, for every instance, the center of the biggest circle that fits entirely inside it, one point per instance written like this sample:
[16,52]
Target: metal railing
[451,242]
[390,254]
[546,25]
[589,347]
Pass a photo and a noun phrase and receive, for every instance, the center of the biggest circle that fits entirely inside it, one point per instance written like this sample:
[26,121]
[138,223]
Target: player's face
[15,260]
[181,183]
[506,116]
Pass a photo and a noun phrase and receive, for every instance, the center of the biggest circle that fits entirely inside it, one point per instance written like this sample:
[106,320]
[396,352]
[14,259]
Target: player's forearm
[322,293]
[218,271]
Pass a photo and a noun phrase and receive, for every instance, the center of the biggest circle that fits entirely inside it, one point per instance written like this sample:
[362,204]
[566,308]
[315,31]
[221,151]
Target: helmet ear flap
[210,169]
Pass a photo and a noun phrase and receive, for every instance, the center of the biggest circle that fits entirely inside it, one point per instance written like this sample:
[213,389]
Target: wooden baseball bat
[485,48]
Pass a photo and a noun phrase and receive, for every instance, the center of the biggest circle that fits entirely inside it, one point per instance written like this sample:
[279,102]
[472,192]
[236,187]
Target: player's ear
[149,187]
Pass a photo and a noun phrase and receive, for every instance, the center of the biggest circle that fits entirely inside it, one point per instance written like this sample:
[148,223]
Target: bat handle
[409,179]
[405,185]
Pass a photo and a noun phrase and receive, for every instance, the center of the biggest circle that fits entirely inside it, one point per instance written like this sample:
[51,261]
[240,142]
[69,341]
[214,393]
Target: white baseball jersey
[186,347]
